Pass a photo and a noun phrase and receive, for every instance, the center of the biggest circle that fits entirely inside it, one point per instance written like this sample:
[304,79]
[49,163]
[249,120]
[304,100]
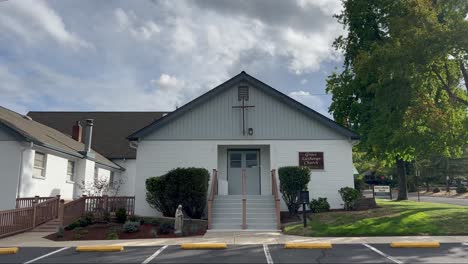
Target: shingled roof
[26,129]
[110,128]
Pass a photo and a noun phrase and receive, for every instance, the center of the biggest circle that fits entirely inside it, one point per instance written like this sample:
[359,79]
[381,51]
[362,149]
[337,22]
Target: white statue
[179,220]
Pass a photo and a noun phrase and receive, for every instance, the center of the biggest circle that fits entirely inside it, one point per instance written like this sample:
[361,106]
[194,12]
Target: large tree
[404,82]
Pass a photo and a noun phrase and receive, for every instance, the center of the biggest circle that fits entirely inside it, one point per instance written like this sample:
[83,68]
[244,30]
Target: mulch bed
[101,231]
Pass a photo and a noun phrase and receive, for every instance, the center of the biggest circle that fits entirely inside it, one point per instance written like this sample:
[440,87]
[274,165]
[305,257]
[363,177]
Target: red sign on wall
[313,160]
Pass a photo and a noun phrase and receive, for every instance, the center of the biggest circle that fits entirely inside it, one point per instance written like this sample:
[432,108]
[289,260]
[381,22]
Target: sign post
[304,199]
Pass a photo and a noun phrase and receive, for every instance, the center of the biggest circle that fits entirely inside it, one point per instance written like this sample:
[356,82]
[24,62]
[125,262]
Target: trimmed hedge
[292,180]
[185,186]
[319,205]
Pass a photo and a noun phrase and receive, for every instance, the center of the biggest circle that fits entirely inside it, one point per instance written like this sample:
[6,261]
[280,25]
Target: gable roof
[110,128]
[244,78]
[42,135]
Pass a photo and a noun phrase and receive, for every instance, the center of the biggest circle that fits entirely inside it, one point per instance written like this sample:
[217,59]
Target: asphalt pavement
[434,199]
[276,253]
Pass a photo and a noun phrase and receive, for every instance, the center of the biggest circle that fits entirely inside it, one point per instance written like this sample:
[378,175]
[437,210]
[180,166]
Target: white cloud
[312,101]
[183,37]
[168,83]
[38,16]
[143,30]
[303,81]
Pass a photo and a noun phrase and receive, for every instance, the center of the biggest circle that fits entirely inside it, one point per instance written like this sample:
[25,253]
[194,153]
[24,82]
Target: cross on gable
[243,94]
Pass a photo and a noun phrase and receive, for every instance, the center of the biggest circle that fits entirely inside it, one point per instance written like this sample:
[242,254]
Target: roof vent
[243,92]
[27,117]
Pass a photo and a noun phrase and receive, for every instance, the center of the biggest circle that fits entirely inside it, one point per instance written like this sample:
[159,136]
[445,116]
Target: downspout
[20,176]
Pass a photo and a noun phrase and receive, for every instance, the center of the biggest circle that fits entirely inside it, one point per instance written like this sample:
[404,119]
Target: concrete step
[226,226]
[248,210]
[239,197]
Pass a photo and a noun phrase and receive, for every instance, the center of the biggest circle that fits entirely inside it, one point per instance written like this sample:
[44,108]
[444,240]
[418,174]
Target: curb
[310,245]
[203,246]
[99,248]
[4,251]
[414,244]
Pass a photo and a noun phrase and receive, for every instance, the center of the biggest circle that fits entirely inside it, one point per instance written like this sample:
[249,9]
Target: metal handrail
[275,193]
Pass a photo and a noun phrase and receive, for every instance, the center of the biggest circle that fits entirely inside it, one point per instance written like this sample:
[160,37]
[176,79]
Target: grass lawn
[393,219]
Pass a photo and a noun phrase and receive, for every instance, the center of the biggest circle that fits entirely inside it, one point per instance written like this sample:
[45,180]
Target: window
[251,160]
[39,164]
[111,179]
[70,171]
[236,160]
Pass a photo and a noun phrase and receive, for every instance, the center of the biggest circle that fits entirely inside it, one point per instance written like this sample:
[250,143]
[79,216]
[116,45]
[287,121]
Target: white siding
[10,156]
[270,119]
[127,177]
[155,158]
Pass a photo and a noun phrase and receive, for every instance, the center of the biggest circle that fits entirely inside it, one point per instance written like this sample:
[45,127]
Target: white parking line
[267,254]
[150,258]
[46,255]
[466,244]
[382,254]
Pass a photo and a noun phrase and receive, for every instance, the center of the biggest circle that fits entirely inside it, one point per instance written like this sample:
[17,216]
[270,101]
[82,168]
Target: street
[432,199]
[276,253]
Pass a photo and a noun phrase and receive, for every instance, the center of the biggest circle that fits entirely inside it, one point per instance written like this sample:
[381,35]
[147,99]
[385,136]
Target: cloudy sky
[156,55]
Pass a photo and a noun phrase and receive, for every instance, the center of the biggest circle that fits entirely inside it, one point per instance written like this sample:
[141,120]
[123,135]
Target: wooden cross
[243,107]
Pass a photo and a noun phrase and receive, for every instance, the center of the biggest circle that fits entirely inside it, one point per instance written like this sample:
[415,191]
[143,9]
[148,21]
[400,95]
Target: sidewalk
[35,239]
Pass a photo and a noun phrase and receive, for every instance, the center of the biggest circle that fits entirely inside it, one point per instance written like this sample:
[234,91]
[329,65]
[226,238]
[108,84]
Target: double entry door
[240,161]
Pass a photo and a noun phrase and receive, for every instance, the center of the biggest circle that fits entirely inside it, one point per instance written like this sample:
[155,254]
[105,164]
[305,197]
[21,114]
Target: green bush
[106,217]
[461,189]
[319,205]
[292,180]
[73,225]
[165,228]
[121,215]
[349,196]
[436,190]
[112,236]
[185,186]
[131,227]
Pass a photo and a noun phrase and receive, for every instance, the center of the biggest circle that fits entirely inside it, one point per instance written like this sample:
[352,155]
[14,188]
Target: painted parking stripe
[267,254]
[382,254]
[466,244]
[150,258]
[46,255]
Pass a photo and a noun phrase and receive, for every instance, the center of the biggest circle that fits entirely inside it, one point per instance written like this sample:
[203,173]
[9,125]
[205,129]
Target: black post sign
[304,199]
[313,160]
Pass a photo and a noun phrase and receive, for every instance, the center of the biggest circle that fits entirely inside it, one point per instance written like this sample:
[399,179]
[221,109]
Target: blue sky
[156,55]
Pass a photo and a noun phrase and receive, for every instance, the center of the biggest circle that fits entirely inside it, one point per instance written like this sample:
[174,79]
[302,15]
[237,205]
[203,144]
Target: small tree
[293,179]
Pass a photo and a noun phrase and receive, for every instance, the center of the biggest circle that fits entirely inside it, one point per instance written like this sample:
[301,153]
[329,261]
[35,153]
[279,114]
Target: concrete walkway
[35,239]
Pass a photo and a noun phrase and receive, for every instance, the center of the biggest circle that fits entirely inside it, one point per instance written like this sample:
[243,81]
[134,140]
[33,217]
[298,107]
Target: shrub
[185,186]
[349,196]
[319,205]
[165,228]
[436,190]
[73,225]
[106,217]
[112,236]
[85,221]
[60,232]
[461,189]
[131,227]
[121,215]
[292,180]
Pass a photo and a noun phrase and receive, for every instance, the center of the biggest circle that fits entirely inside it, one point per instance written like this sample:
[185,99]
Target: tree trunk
[402,181]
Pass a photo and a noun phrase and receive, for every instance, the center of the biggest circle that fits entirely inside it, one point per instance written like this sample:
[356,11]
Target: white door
[248,161]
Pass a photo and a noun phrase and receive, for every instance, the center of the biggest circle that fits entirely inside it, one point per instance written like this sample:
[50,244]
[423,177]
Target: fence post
[105,203]
[34,213]
[84,204]
[58,205]
[36,199]
[61,212]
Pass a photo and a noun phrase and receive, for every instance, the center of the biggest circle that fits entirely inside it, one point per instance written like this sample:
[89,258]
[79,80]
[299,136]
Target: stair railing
[244,202]
[274,190]
[211,196]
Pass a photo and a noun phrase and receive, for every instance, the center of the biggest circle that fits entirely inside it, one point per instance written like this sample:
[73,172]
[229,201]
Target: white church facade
[242,125]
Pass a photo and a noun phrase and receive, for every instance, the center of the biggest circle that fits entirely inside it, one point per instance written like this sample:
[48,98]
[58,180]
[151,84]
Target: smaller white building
[38,160]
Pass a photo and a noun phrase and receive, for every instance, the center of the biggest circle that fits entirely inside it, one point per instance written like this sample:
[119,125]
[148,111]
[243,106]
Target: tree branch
[465,74]
[449,91]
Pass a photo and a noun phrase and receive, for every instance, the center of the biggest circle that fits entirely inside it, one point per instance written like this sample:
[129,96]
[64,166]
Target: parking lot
[340,253]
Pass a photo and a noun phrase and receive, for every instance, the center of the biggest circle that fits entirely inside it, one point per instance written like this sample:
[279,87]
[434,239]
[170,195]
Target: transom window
[39,164]
[70,171]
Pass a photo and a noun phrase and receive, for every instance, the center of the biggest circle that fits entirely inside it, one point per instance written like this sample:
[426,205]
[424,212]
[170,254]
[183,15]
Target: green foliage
[461,189]
[121,215]
[319,205]
[85,220]
[106,217]
[72,225]
[185,186]
[292,180]
[131,227]
[165,228]
[404,79]
[350,197]
[436,190]
[112,235]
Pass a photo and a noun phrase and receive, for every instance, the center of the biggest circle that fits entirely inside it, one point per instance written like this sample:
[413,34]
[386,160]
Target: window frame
[43,168]
[71,177]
